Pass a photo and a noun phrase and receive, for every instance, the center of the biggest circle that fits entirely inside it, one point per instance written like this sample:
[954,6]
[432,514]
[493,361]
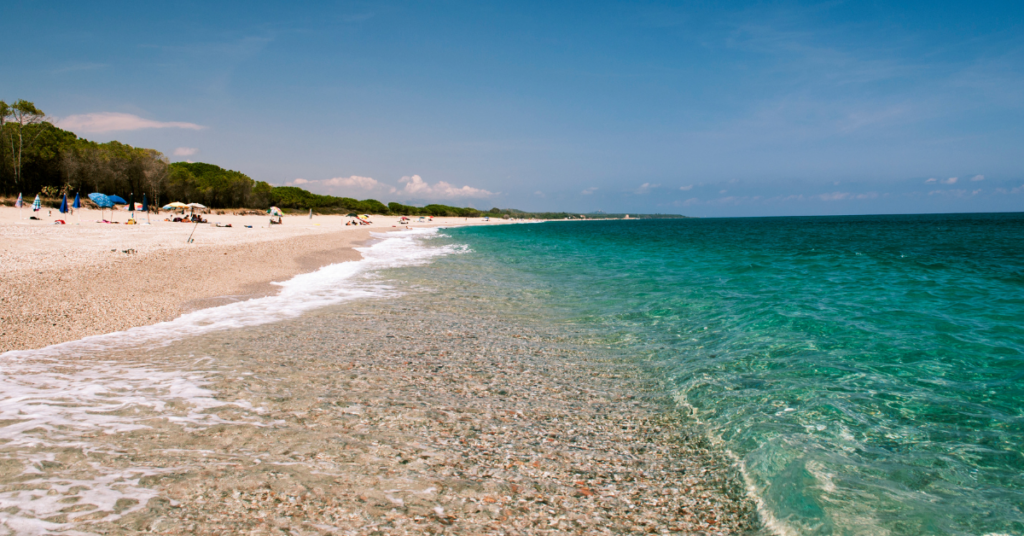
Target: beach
[429,412]
[65,282]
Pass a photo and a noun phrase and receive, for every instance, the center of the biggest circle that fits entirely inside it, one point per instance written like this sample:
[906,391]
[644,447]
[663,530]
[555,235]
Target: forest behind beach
[38,157]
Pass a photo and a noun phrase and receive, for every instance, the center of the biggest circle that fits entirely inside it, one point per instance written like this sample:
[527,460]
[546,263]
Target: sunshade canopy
[117,200]
[103,200]
[195,205]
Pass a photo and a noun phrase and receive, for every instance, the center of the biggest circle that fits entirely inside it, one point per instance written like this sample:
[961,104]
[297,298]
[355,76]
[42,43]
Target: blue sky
[699,108]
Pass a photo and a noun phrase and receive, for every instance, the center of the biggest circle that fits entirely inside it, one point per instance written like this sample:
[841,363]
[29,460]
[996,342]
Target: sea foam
[53,398]
[329,285]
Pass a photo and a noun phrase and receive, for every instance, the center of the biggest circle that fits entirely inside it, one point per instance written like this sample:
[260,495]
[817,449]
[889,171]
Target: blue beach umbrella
[78,203]
[103,200]
[64,205]
[117,200]
[37,204]
[18,203]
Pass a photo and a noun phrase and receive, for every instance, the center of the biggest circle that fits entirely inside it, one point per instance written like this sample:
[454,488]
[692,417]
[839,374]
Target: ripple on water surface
[865,370]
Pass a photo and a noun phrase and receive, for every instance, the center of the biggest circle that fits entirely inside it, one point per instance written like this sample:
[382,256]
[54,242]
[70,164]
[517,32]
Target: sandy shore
[432,413]
[65,282]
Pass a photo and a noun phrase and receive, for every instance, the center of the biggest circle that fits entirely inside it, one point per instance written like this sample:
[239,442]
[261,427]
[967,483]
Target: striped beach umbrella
[37,204]
[19,202]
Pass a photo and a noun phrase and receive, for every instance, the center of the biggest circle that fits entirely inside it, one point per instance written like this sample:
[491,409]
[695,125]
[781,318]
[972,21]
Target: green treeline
[37,157]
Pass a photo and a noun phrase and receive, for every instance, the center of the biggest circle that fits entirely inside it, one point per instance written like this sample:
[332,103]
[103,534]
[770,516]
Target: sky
[710,109]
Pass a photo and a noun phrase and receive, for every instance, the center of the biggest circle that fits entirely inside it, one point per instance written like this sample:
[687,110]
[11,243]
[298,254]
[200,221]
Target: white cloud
[977,178]
[185,151]
[722,192]
[839,196]
[111,121]
[688,202]
[539,193]
[686,188]
[645,188]
[931,180]
[416,186]
[951,180]
[355,181]
[590,190]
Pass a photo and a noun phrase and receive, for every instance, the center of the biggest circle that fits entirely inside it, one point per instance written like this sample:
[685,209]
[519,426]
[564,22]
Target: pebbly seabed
[386,417]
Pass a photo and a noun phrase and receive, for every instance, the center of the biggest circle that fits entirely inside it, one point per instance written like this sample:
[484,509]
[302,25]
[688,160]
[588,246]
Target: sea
[864,374]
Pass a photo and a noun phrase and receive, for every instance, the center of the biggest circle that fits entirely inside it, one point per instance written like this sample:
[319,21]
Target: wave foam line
[329,285]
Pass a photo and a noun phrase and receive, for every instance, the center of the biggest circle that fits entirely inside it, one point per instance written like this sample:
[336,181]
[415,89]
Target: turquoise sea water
[867,373]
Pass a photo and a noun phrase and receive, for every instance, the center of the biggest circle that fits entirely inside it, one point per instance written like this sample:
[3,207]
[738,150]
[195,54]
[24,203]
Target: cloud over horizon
[115,121]
[415,187]
[185,151]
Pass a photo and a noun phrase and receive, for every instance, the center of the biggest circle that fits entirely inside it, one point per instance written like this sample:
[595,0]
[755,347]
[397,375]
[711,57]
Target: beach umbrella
[102,200]
[145,204]
[274,211]
[19,202]
[78,202]
[37,204]
[117,200]
[64,205]
[131,203]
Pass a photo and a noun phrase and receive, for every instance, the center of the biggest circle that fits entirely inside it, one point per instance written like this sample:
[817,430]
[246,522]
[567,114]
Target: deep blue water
[865,372]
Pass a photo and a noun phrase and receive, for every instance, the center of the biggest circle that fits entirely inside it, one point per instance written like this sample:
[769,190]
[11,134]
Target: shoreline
[430,413]
[62,283]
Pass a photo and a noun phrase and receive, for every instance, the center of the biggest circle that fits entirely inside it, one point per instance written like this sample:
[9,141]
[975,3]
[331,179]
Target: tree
[5,114]
[24,113]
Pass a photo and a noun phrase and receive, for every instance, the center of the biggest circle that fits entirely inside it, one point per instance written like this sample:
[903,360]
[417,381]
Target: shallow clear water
[865,371]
